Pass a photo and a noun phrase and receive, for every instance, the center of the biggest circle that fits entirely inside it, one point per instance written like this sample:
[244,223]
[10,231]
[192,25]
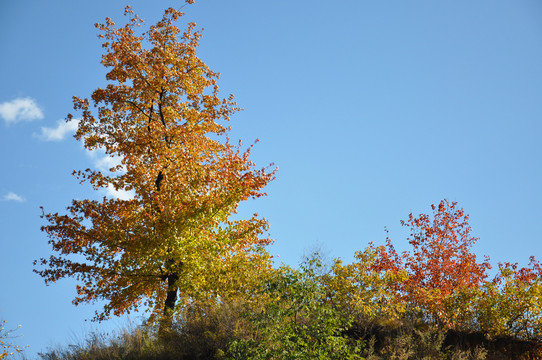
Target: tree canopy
[441,265]
[162,117]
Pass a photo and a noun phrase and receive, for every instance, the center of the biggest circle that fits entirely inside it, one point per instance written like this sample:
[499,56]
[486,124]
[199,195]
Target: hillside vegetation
[434,302]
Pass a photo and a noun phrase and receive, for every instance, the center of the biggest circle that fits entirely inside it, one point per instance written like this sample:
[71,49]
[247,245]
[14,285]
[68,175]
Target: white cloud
[56,134]
[119,194]
[107,162]
[20,109]
[11,196]
[103,161]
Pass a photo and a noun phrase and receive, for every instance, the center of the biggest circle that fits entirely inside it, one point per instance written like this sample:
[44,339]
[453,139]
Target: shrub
[298,321]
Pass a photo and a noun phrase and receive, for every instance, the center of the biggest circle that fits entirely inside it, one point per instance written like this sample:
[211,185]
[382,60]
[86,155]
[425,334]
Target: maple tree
[162,117]
[441,266]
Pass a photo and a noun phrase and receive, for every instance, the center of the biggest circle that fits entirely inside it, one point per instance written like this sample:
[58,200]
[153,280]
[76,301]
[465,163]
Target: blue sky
[371,110]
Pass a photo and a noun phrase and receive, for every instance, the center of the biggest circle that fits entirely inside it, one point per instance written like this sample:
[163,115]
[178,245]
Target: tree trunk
[169,305]
[171,296]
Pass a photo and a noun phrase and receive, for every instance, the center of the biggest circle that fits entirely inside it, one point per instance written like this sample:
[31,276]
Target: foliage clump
[296,320]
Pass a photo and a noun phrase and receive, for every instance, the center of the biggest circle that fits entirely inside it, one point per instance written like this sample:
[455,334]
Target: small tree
[162,117]
[441,265]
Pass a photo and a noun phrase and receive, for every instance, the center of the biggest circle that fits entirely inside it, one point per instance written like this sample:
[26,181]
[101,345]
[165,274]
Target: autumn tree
[441,269]
[511,304]
[161,116]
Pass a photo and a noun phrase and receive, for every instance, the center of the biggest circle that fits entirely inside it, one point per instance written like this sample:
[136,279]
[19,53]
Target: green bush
[297,321]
